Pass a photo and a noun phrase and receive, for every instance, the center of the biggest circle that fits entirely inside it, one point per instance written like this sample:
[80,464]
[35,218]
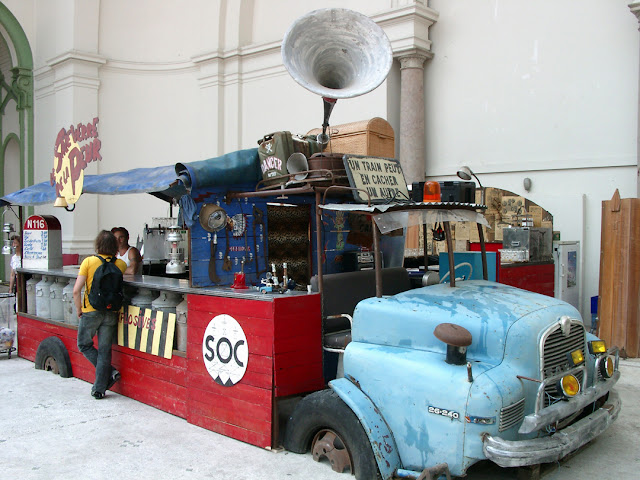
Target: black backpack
[106,288]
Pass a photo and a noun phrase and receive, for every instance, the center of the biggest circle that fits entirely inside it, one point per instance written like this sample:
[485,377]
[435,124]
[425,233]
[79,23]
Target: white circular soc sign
[225,350]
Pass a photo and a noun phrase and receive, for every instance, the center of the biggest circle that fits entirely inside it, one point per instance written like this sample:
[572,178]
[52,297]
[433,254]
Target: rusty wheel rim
[328,444]
[50,365]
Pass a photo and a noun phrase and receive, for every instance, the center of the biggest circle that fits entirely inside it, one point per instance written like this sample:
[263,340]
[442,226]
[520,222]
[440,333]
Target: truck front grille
[511,415]
[555,363]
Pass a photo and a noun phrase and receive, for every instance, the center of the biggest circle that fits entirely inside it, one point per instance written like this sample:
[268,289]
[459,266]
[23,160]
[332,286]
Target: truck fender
[382,441]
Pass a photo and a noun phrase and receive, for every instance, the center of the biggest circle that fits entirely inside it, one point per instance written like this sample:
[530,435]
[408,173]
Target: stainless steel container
[537,241]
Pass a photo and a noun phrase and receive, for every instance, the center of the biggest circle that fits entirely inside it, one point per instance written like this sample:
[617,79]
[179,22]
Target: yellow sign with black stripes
[147,330]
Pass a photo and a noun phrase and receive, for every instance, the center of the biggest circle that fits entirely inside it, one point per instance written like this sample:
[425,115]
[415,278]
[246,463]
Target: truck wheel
[324,423]
[52,356]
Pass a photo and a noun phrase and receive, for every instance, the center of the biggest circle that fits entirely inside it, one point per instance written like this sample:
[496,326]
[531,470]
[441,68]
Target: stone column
[412,131]
[635,9]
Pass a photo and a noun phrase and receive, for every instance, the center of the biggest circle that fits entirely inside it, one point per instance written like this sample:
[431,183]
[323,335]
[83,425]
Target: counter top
[169,284]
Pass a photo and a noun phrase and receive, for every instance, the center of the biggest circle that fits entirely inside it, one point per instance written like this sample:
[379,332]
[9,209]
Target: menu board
[41,243]
[35,248]
[379,180]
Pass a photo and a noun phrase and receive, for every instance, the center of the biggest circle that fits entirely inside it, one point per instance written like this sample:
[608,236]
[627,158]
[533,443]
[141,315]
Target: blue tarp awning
[162,182]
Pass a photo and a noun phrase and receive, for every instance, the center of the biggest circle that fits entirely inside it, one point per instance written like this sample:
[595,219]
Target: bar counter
[245,351]
[170,284]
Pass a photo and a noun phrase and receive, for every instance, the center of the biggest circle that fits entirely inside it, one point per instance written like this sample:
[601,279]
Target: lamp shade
[465,173]
[60,202]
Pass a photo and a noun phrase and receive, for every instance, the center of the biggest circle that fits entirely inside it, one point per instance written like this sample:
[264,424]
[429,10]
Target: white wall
[546,90]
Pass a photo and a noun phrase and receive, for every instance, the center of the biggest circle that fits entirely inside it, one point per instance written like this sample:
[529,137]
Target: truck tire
[52,356]
[323,422]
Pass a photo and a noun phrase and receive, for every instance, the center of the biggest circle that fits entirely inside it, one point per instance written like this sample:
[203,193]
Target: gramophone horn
[298,166]
[337,53]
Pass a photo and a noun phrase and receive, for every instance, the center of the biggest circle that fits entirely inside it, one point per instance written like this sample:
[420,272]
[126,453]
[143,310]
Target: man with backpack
[101,277]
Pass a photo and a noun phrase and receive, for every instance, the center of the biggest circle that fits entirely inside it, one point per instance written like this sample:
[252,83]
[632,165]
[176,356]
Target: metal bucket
[181,326]
[328,161]
[31,294]
[55,297]
[43,302]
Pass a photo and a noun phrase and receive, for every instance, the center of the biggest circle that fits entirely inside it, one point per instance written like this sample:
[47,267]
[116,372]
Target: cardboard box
[462,231]
[461,245]
[536,213]
[488,233]
[499,227]
[513,205]
[492,198]
[509,219]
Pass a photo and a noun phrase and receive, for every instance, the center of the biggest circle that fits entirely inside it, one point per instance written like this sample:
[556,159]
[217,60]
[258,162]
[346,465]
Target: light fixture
[62,202]
[569,386]
[8,229]
[431,192]
[606,366]
[213,218]
[597,346]
[576,357]
[465,173]
[526,183]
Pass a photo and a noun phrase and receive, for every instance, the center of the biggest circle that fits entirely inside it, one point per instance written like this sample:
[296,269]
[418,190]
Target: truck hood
[487,309]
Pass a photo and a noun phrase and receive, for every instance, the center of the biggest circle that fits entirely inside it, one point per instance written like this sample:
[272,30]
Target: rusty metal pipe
[452,267]
[483,249]
[319,241]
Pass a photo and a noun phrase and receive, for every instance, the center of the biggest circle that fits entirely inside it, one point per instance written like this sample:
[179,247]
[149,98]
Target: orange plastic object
[431,192]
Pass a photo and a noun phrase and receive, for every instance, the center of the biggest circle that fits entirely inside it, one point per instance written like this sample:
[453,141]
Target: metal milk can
[55,298]
[43,302]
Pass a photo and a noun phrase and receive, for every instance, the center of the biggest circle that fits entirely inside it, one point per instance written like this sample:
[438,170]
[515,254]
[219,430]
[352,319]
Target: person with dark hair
[128,254]
[16,262]
[92,321]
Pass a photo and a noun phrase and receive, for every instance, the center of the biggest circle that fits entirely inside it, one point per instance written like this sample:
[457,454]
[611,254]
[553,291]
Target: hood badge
[565,325]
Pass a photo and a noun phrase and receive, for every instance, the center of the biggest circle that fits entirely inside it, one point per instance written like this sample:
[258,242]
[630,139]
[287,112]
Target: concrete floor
[52,428]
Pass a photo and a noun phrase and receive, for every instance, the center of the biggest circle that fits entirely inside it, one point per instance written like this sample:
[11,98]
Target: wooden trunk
[618,311]
[373,137]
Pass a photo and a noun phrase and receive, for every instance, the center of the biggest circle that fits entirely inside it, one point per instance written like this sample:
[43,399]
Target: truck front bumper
[517,453]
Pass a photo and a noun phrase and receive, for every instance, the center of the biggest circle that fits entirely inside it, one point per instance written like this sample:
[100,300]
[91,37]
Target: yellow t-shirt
[88,268]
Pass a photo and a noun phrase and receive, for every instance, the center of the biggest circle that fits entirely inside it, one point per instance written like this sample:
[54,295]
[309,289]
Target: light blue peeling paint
[399,364]
[381,438]
[486,309]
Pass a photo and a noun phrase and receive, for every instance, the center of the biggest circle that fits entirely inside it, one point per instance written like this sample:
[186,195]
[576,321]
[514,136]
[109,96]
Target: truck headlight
[576,357]
[607,367]
[597,346]
[569,386]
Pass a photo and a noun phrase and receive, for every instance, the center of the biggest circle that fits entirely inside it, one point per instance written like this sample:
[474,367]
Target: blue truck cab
[440,377]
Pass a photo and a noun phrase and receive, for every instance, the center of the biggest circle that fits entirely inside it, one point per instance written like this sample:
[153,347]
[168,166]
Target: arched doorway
[16,113]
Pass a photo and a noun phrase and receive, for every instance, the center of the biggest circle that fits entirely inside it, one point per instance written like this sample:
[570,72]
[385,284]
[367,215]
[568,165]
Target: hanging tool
[258,219]
[213,275]
[226,263]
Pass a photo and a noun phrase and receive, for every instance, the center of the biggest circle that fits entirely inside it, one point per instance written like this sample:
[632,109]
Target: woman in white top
[16,262]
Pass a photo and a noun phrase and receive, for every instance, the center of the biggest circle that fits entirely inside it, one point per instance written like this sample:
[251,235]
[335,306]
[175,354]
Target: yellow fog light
[597,346]
[577,357]
[607,367]
[569,386]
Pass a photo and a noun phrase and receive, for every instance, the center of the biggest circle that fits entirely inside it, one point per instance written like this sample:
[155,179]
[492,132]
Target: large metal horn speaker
[336,53]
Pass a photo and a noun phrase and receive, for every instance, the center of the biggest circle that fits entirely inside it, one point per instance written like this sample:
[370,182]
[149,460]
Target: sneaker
[97,395]
[115,376]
